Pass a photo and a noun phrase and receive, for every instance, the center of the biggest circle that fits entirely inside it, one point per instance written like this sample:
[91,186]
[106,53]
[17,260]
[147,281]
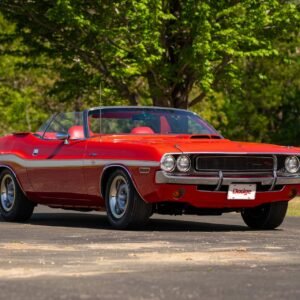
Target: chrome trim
[144,170]
[221,177]
[118,196]
[275,166]
[233,173]
[49,123]
[163,177]
[291,156]
[161,163]
[237,153]
[35,152]
[141,107]
[87,111]
[288,180]
[178,166]
[8,192]
[93,154]
[62,136]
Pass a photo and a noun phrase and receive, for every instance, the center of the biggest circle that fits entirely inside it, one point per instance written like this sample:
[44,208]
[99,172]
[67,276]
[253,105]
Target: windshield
[146,121]
[70,123]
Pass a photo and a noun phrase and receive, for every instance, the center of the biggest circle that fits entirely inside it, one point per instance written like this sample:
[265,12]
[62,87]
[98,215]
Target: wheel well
[3,168]
[105,175]
[107,171]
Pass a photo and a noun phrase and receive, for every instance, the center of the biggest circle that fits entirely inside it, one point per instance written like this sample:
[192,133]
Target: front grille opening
[224,188]
[233,163]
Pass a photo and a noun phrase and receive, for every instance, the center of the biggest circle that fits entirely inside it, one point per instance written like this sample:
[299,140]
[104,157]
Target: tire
[125,208]
[268,216]
[14,206]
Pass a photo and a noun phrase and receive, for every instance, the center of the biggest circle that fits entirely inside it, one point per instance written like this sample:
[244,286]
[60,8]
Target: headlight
[292,164]
[183,163]
[168,163]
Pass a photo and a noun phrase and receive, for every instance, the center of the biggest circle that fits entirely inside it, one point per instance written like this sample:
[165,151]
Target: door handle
[35,152]
[93,154]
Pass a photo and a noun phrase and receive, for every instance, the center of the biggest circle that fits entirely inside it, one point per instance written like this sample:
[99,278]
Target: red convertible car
[136,161]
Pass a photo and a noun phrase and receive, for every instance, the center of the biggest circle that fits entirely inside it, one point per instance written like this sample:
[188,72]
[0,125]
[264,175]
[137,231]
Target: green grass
[294,207]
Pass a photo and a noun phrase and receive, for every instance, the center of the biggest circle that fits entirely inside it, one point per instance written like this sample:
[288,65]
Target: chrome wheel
[8,193]
[118,196]
[125,208]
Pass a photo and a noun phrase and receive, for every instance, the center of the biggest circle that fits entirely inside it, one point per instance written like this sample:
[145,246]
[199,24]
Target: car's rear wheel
[124,206]
[14,206]
[267,216]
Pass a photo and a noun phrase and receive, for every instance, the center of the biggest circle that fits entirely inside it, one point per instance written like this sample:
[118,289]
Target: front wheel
[267,216]
[14,206]
[124,206]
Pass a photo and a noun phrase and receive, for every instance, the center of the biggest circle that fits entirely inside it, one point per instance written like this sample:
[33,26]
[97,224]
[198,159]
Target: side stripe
[62,163]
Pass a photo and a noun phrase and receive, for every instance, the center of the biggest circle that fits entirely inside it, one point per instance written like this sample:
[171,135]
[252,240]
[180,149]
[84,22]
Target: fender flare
[105,173]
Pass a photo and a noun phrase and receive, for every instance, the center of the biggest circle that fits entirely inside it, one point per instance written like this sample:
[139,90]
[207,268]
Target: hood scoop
[21,133]
[205,136]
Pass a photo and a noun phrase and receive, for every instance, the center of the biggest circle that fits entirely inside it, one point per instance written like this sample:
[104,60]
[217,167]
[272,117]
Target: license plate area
[238,191]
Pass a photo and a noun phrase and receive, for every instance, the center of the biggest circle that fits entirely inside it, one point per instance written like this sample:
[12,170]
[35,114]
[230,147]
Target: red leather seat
[76,132]
[142,130]
[50,135]
[164,125]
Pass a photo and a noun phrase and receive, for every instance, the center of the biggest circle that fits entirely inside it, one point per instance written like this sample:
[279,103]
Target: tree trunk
[181,91]
[171,94]
[157,93]
[133,99]
[173,90]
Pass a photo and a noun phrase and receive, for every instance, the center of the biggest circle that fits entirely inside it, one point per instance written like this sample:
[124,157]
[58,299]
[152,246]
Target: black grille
[233,163]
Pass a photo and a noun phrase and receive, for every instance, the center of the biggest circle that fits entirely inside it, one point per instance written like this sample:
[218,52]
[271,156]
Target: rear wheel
[14,206]
[124,206]
[268,216]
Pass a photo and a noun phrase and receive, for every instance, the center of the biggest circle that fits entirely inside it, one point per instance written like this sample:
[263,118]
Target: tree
[149,50]
[23,85]
[268,106]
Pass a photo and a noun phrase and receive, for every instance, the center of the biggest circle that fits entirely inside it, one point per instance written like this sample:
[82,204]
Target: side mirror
[63,136]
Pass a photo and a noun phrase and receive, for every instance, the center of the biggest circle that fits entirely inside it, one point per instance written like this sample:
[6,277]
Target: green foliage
[153,49]
[21,89]
[267,108]
[235,62]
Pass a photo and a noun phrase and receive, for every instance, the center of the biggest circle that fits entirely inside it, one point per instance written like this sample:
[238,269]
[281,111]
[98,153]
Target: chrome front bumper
[218,181]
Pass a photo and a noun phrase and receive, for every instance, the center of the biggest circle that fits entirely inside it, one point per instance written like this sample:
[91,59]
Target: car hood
[188,144]
[227,146]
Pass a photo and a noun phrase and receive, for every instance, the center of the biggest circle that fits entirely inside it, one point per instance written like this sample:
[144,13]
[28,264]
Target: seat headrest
[76,132]
[142,130]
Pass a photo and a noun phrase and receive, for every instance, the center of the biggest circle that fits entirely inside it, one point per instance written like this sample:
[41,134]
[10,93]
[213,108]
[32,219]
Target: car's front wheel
[124,206]
[267,216]
[14,206]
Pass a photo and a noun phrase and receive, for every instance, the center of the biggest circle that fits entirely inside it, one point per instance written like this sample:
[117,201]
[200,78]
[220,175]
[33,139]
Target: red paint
[80,185]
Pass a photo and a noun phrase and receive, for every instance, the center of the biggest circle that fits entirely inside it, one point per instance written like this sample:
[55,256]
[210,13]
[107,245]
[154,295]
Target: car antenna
[100,110]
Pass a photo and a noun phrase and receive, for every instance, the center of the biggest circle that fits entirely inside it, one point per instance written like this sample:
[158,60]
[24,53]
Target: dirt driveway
[62,255]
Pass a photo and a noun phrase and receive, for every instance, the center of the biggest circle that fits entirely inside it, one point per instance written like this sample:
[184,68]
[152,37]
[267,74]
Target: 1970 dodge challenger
[136,161]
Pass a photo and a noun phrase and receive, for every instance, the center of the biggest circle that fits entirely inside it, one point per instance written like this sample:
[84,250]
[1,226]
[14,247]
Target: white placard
[238,191]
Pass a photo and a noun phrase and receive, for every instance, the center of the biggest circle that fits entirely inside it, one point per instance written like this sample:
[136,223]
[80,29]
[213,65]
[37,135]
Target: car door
[56,171]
